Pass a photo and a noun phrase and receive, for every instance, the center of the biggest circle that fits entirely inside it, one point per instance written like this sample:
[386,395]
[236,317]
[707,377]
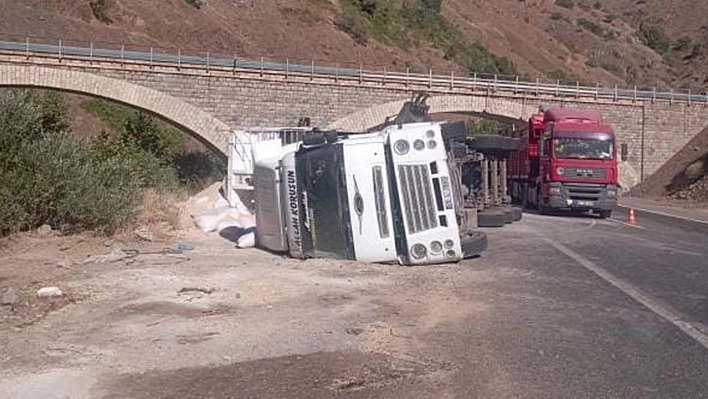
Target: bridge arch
[201,125]
[506,108]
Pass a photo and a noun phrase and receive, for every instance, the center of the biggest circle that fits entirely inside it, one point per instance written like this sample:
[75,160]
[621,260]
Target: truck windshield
[324,200]
[583,148]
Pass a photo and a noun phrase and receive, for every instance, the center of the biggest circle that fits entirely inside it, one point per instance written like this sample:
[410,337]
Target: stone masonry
[210,103]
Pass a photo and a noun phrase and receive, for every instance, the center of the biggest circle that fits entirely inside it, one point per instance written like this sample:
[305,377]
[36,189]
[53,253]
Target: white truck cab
[385,196]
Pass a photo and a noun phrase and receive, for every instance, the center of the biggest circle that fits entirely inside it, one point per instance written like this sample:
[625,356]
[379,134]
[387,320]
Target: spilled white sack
[212,213]
[247,240]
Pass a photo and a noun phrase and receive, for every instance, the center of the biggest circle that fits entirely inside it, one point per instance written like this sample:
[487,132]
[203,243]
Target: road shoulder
[666,208]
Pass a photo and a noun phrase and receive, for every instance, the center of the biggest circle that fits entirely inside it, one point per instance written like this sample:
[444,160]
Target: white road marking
[625,223]
[665,214]
[663,310]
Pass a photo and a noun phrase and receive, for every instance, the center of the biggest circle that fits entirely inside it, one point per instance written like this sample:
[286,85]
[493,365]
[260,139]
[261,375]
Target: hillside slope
[591,41]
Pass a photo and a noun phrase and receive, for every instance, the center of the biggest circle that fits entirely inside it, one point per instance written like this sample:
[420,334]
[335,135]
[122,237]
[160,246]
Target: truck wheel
[491,218]
[314,138]
[458,150]
[487,142]
[508,215]
[474,244]
[511,143]
[331,136]
[539,203]
[518,213]
[606,214]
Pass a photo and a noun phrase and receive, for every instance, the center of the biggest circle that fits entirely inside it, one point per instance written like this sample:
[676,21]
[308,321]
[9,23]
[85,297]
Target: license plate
[583,203]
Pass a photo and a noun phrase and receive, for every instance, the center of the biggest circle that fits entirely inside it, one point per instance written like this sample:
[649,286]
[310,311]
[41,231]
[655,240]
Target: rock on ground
[47,292]
[10,297]
[115,255]
[44,230]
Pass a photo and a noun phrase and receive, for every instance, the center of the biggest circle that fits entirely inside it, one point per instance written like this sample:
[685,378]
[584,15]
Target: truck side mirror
[542,148]
[624,152]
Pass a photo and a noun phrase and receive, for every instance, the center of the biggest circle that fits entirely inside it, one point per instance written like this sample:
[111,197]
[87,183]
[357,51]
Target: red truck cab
[567,161]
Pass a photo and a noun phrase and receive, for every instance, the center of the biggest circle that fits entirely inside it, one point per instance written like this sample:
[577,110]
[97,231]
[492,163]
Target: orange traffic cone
[631,220]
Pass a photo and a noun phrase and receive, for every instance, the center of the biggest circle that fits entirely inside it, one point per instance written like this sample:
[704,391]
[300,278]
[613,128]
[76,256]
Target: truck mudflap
[575,196]
[473,244]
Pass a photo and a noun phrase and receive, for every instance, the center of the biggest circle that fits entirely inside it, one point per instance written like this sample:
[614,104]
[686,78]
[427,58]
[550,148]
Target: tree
[141,130]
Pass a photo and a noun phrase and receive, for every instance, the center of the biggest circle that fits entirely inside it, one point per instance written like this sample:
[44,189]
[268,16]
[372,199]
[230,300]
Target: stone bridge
[207,98]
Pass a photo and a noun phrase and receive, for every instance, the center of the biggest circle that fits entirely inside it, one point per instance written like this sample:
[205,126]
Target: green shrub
[591,27]
[101,196]
[151,134]
[353,25]
[56,182]
[654,37]
[482,127]
[148,170]
[596,29]
[569,4]
[47,176]
[400,23]
[99,9]
[195,3]
[20,121]
[198,169]
[478,59]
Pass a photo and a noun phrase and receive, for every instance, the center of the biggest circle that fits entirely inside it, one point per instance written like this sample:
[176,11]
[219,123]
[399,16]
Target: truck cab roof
[557,115]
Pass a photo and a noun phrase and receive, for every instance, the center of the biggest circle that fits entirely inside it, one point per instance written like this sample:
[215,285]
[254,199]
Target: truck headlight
[430,134]
[419,251]
[449,244]
[401,147]
[554,191]
[419,144]
[432,144]
[560,171]
[611,193]
[436,247]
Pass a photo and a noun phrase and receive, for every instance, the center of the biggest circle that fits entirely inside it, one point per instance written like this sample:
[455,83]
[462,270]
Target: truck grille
[585,192]
[418,202]
[585,173]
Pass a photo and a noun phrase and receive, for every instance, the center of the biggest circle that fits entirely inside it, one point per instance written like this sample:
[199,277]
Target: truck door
[325,228]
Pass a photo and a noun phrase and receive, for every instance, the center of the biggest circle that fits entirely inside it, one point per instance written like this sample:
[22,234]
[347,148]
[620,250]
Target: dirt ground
[160,323]
[523,321]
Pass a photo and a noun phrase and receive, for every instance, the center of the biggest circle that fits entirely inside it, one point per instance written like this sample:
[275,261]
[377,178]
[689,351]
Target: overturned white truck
[385,196]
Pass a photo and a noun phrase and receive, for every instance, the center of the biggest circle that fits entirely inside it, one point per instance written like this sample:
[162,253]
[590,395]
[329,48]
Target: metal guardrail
[475,82]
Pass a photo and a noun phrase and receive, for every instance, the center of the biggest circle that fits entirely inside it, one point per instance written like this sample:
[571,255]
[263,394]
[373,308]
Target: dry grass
[157,218]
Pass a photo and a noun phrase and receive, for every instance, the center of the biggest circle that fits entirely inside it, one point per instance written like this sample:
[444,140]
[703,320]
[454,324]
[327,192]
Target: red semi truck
[567,162]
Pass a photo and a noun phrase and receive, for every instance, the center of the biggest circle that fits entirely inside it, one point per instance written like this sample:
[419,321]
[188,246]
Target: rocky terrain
[643,43]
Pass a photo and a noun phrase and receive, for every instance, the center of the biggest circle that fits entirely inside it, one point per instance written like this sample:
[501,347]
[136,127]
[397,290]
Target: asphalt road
[559,307]
[589,308]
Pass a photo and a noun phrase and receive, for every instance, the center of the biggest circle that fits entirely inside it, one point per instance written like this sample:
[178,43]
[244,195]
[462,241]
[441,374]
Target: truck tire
[487,142]
[458,150]
[542,210]
[511,143]
[518,213]
[491,218]
[331,136]
[605,214]
[314,138]
[474,244]
[454,132]
[508,215]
